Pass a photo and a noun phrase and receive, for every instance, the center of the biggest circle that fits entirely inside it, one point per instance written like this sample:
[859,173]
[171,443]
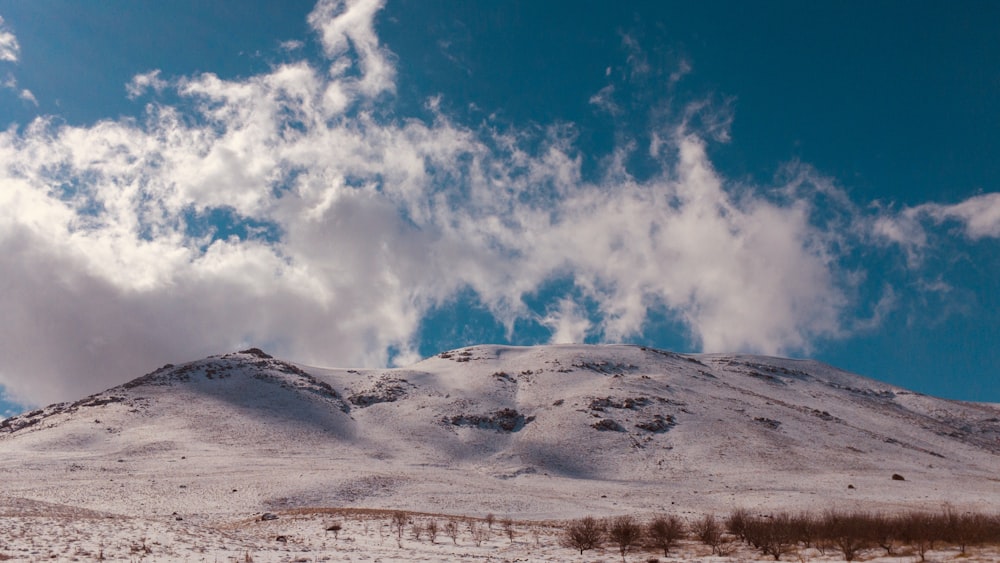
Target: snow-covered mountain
[551,431]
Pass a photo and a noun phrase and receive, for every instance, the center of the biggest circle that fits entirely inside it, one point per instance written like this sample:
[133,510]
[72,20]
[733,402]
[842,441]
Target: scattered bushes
[783,534]
[851,533]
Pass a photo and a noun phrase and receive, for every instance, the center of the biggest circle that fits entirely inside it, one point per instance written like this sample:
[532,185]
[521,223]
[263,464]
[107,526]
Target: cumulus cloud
[295,211]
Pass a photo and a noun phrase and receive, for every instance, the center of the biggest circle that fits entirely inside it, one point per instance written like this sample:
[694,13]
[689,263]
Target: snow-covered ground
[189,456]
[39,532]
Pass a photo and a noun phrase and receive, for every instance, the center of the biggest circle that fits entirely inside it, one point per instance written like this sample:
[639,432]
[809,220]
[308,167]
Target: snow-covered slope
[552,431]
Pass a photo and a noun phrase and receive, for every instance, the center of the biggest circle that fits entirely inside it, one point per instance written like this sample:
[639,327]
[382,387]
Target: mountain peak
[575,427]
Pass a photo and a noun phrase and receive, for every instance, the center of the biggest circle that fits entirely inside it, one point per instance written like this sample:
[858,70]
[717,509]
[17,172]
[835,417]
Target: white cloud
[27,96]
[140,83]
[347,26]
[683,69]
[604,99]
[366,222]
[10,49]
[569,323]
[979,215]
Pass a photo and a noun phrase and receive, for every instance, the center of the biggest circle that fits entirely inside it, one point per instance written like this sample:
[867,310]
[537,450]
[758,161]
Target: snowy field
[35,532]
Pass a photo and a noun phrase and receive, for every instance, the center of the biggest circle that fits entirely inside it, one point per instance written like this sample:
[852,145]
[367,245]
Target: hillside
[541,432]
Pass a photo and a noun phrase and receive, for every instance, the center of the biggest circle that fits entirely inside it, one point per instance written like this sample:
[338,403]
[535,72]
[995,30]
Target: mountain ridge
[545,431]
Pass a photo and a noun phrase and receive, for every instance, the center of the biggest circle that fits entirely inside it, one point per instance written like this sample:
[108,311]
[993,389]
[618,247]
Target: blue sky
[367,183]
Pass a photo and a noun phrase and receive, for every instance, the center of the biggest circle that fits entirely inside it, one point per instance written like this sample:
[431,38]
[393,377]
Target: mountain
[535,432]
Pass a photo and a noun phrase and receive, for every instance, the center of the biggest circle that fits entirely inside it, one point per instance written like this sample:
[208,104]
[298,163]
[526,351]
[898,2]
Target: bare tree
[451,528]
[886,530]
[583,534]
[964,530]
[416,530]
[490,519]
[479,533]
[850,533]
[665,531]
[736,523]
[709,532]
[921,530]
[432,530]
[805,528]
[508,528]
[771,535]
[399,520]
[624,531]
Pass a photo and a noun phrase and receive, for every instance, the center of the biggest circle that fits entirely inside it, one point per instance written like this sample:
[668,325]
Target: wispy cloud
[975,218]
[141,83]
[28,96]
[10,50]
[359,221]
[978,217]
[604,99]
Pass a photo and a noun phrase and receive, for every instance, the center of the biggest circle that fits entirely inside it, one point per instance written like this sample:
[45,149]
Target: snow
[537,434]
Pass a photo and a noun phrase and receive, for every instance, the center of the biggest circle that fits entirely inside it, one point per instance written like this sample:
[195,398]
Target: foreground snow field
[34,532]
[187,458]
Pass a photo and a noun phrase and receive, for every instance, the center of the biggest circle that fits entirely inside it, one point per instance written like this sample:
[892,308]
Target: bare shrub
[965,530]
[886,531]
[709,532]
[583,534]
[451,529]
[508,528]
[478,533]
[624,531]
[774,536]
[399,520]
[416,531]
[737,521]
[665,531]
[804,528]
[849,533]
[991,531]
[921,530]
